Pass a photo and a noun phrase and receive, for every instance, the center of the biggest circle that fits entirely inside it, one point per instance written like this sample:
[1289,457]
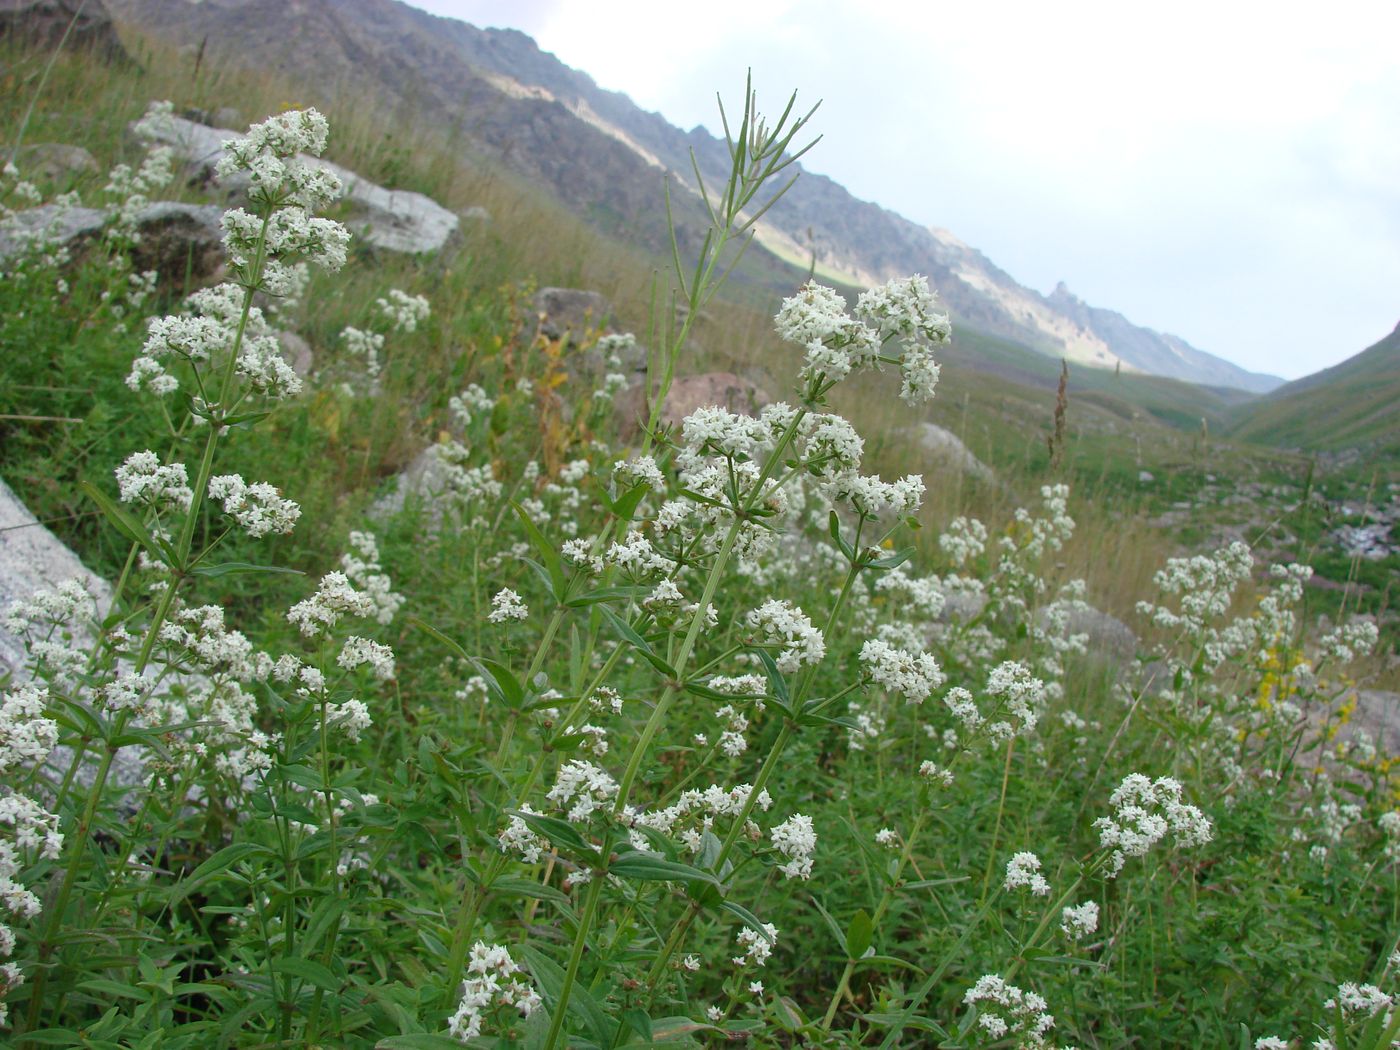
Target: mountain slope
[1355,404]
[603,157]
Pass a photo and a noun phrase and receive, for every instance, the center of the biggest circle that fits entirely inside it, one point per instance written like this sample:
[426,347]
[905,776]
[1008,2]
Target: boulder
[947,448]
[392,220]
[179,241]
[1377,711]
[297,352]
[1109,636]
[76,24]
[570,311]
[176,240]
[57,162]
[31,558]
[725,389]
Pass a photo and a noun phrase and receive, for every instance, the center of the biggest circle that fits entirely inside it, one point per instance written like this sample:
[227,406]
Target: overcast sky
[1225,171]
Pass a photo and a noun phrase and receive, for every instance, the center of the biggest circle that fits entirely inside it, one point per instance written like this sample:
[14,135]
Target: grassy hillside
[1353,405]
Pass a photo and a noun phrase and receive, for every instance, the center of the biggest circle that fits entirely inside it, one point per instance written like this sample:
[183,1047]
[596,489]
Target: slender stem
[886,899]
[585,923]
[658,714]
[996,829]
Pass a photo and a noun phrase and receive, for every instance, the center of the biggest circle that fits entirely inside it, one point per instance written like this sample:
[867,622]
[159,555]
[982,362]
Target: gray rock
[1378,713]
[57,162]
[31,558]
[571,311]
[180,241]
[392,220]
[947,448]
[176,240]
[298,353]
[43,24]
[725,389]
[1108,636]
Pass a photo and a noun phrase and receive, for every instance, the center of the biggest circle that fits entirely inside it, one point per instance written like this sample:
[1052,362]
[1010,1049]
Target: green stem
[585,923]
[996,828]
[886,899]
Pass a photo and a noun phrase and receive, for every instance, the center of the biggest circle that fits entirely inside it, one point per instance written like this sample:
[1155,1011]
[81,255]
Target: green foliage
[281,873]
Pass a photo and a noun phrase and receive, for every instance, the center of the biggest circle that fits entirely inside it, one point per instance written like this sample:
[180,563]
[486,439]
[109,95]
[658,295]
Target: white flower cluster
[493,980]
[1079,921]
[142,478]
[464,406]
[516,837]
[1205,585]
[796,839]
[1350,640]
[582,787]
[963,540]
[1145,811]
[902,310]
[756,944]
[361,566]
[1003,1011]
[780,623]
[872,497]
[208,330]
[27,737]
[404,312]
[1023,872]
[507,605]
[461,484]
[334,598]
[695,811]
[280,179]
[639,470]
[350,717]
[1021,697]
[259,507]
[911,675]
[363,344]
[358,652]
[1357,1001]
[731,739]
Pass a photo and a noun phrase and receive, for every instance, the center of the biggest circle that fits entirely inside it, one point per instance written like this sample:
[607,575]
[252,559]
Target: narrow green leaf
[124,522]
[429,629]
[859,934]
[418,1041]
[215,865]
[550,979]
[548,554]
[647,868]
[232,568]
[310,971]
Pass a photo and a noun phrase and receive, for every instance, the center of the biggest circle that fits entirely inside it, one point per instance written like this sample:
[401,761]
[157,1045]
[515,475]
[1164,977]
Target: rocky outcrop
[175,240]
[725,389]
[570,312]
[57,162]
[31,558]
[391,220]
[947,448]
[78,24]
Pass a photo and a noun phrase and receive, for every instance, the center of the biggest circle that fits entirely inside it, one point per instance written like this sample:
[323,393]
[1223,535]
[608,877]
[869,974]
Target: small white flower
[507,605]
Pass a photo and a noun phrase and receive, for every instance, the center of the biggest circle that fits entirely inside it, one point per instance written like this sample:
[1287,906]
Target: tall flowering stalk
[231,357]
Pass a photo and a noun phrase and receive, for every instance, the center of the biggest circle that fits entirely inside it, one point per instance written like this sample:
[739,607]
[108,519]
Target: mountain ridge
[599,153]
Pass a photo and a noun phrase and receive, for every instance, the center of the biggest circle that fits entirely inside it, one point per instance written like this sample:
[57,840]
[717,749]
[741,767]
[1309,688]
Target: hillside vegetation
[1353,405]
[443,691]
